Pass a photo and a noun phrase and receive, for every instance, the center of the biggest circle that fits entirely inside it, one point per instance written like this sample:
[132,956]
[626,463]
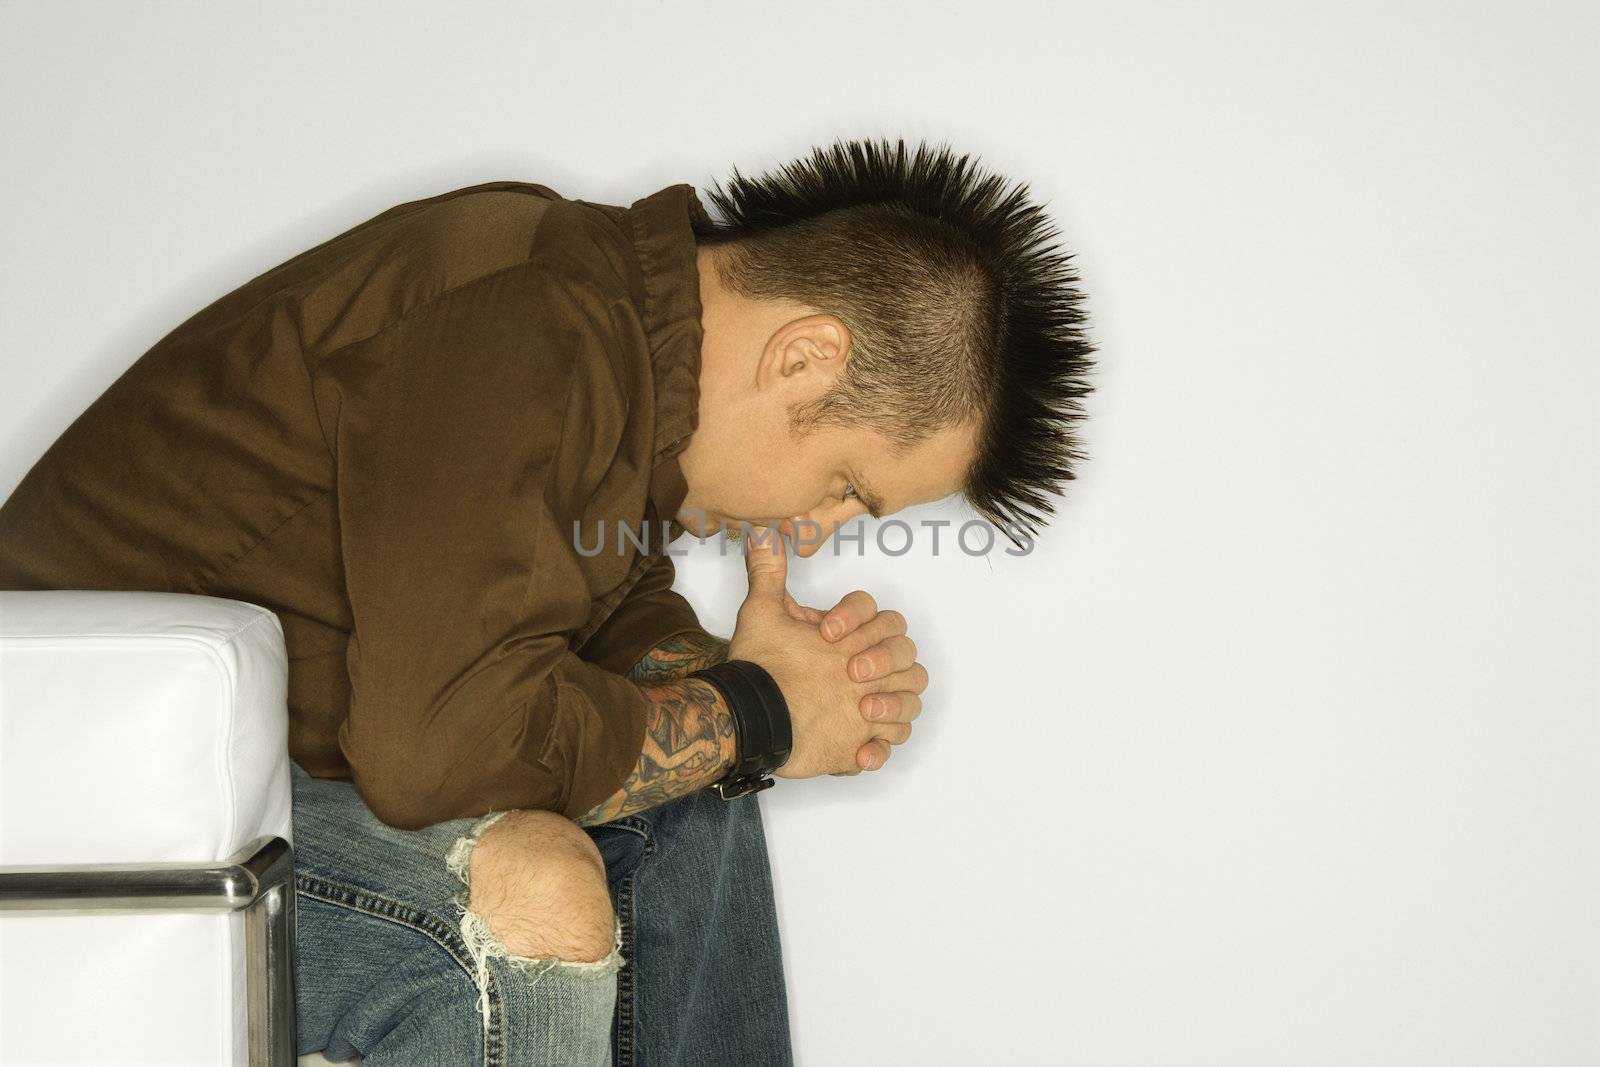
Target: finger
[766,563]
[894,733]
[853,609]
[799,611]
[873,754]
[891,707]
[887,623]
[914,679]
[897,652]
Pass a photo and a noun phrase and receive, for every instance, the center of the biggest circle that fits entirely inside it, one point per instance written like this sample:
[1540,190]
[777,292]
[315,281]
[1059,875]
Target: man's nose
[807,532]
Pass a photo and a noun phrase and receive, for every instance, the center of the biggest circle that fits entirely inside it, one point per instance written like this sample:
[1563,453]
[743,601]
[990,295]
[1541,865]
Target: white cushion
[135,727]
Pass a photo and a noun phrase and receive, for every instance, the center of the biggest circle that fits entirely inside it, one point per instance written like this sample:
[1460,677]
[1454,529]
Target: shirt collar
[660,227]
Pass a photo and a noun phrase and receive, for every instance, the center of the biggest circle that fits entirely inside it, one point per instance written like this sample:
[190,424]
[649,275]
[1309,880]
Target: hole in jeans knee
[483,945]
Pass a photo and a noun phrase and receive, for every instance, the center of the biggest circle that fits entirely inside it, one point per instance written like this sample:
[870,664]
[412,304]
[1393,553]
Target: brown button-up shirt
[406,443]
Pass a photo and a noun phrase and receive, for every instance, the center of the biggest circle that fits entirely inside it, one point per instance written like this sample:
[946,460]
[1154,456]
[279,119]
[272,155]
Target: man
[405,442]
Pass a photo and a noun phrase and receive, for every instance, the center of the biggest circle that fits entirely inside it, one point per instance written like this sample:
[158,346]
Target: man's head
[881,331]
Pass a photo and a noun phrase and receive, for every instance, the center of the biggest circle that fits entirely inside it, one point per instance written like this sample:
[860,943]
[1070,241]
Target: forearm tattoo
[688,744]
[678,656]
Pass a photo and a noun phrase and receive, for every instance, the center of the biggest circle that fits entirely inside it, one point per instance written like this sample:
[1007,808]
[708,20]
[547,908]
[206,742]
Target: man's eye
[849,490]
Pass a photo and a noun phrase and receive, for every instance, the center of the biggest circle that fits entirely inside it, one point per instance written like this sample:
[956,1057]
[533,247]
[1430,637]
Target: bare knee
[539,883]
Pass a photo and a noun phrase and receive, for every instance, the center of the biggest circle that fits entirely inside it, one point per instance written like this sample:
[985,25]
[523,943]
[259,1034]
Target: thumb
[766,562]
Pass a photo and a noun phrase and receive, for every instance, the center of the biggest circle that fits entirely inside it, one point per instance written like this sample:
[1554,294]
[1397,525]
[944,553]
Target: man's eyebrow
[873,501]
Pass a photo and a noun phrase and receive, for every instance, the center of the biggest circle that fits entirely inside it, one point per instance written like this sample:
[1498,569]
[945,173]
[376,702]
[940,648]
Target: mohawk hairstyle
[958,306]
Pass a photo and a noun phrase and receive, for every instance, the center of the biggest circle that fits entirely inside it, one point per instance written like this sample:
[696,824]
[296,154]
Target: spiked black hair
[958,306]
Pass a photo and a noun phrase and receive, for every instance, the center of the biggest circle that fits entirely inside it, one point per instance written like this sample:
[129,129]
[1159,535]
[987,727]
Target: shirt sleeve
[458,467]
[649,615]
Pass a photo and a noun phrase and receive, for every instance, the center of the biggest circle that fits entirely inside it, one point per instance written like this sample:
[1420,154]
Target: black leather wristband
[761,726]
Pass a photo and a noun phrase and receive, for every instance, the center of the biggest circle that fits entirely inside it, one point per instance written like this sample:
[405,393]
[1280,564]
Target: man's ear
[818,343]
[827,338]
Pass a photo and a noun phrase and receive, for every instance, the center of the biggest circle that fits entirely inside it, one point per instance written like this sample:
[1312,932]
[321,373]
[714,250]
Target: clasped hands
[883,655]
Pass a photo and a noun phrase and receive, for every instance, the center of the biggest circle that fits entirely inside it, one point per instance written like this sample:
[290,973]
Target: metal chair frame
[258,880]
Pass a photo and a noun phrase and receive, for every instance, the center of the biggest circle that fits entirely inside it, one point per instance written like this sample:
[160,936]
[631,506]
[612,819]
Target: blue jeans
[389,965]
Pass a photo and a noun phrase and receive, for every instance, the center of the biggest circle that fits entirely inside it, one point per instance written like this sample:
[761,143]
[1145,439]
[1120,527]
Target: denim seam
[424,923]
[625,1050]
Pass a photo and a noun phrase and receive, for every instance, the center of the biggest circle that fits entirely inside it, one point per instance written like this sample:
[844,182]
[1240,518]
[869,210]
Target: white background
[1281,746]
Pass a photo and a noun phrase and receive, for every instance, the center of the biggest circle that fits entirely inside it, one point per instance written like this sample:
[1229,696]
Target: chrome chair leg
[258,880]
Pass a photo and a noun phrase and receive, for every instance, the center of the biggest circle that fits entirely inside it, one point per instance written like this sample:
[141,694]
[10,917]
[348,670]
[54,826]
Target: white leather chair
[146,860]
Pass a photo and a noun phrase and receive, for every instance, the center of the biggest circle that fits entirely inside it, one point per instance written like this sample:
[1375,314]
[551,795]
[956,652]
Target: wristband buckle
[741,785]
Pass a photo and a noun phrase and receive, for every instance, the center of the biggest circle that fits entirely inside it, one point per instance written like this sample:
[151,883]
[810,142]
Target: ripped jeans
[391,965]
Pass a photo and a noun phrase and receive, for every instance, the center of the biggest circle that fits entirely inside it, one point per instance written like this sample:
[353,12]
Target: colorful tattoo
[688,744]
[678,656]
